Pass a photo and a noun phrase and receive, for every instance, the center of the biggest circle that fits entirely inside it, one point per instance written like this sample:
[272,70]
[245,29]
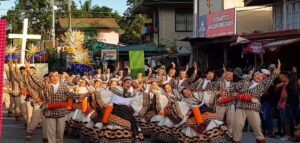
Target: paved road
[13,132]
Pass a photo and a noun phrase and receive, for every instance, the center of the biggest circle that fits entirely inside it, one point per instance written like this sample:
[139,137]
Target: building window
[290,15]
[183,20]
[278,18]
[297,15]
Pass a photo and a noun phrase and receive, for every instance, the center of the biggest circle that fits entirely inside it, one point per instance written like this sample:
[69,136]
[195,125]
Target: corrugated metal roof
[100,23]
[147,47]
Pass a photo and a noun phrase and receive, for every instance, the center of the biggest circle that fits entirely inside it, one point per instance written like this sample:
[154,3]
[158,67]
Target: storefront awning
[282,43]
[259,2]
[213,40]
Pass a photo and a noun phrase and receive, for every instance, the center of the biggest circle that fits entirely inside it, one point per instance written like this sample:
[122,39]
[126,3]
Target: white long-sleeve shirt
[121,100]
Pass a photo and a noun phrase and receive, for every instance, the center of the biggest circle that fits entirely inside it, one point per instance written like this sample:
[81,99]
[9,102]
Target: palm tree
[86,6]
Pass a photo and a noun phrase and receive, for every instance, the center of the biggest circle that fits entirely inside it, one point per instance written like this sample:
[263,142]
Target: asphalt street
[14,132]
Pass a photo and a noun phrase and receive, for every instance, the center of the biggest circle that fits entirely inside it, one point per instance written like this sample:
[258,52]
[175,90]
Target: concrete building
[171,21]
[248,19]
[273,25]
[284,39]
[286,13]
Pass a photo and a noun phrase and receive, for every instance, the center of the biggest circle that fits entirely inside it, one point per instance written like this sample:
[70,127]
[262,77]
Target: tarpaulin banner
[109,54]
[2,59]
[255,47]
[137,62]
[218,24]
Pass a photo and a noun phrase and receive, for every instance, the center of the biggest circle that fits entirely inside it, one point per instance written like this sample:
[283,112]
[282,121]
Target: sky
[118,5]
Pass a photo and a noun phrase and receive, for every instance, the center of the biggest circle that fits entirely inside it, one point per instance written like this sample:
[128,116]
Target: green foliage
[38,12]
[56,60]
[133,30]
[132,2]
[132,24]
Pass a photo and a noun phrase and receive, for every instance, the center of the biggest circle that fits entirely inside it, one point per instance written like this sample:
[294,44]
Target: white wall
[250,19]
[167,34]
[233,4]
[108,36]
[219,5]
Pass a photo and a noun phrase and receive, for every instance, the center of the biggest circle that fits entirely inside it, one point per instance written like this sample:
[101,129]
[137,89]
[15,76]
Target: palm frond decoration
[80,59]
[12,52]
[33,50]
[74,41]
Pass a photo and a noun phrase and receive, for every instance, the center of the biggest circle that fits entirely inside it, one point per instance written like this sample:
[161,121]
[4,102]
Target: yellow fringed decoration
[74,41]
[12,50]
[74,46]
[32,50]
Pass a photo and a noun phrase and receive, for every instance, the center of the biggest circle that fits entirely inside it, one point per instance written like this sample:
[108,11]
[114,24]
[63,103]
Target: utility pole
[209,5]
[195,18]
[284,19]
[70,14]
[53,24]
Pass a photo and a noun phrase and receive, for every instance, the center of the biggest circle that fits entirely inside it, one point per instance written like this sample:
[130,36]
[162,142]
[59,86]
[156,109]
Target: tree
[38,12]
[104,11]
[131,3]
[132,24]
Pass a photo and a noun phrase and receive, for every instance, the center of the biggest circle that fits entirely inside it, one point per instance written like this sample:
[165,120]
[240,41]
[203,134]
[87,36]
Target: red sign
[218,24]
[2,59]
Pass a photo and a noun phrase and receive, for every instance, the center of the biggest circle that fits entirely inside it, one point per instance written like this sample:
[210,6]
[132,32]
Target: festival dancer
[98,74]
[160,74]
[204,84]
[36,103]
[102,99]
[20,90]
[248,105]
[7,92]
[148,106]
[86,133]
[202,125]
[78,115]
[183,81]
[225,100]
[118,120]
[189,121]
[167,129]
[54,105]
[171,74]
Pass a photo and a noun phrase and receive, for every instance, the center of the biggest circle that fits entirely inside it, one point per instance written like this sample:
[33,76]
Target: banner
[217,24]
[109,54]
[137,62]
[255,47]
[2,59]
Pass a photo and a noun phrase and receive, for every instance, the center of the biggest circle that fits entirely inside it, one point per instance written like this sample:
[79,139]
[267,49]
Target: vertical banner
[202,26]
[137,63]
[2,59]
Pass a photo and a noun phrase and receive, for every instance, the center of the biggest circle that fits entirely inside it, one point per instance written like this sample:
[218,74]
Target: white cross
[24,38]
